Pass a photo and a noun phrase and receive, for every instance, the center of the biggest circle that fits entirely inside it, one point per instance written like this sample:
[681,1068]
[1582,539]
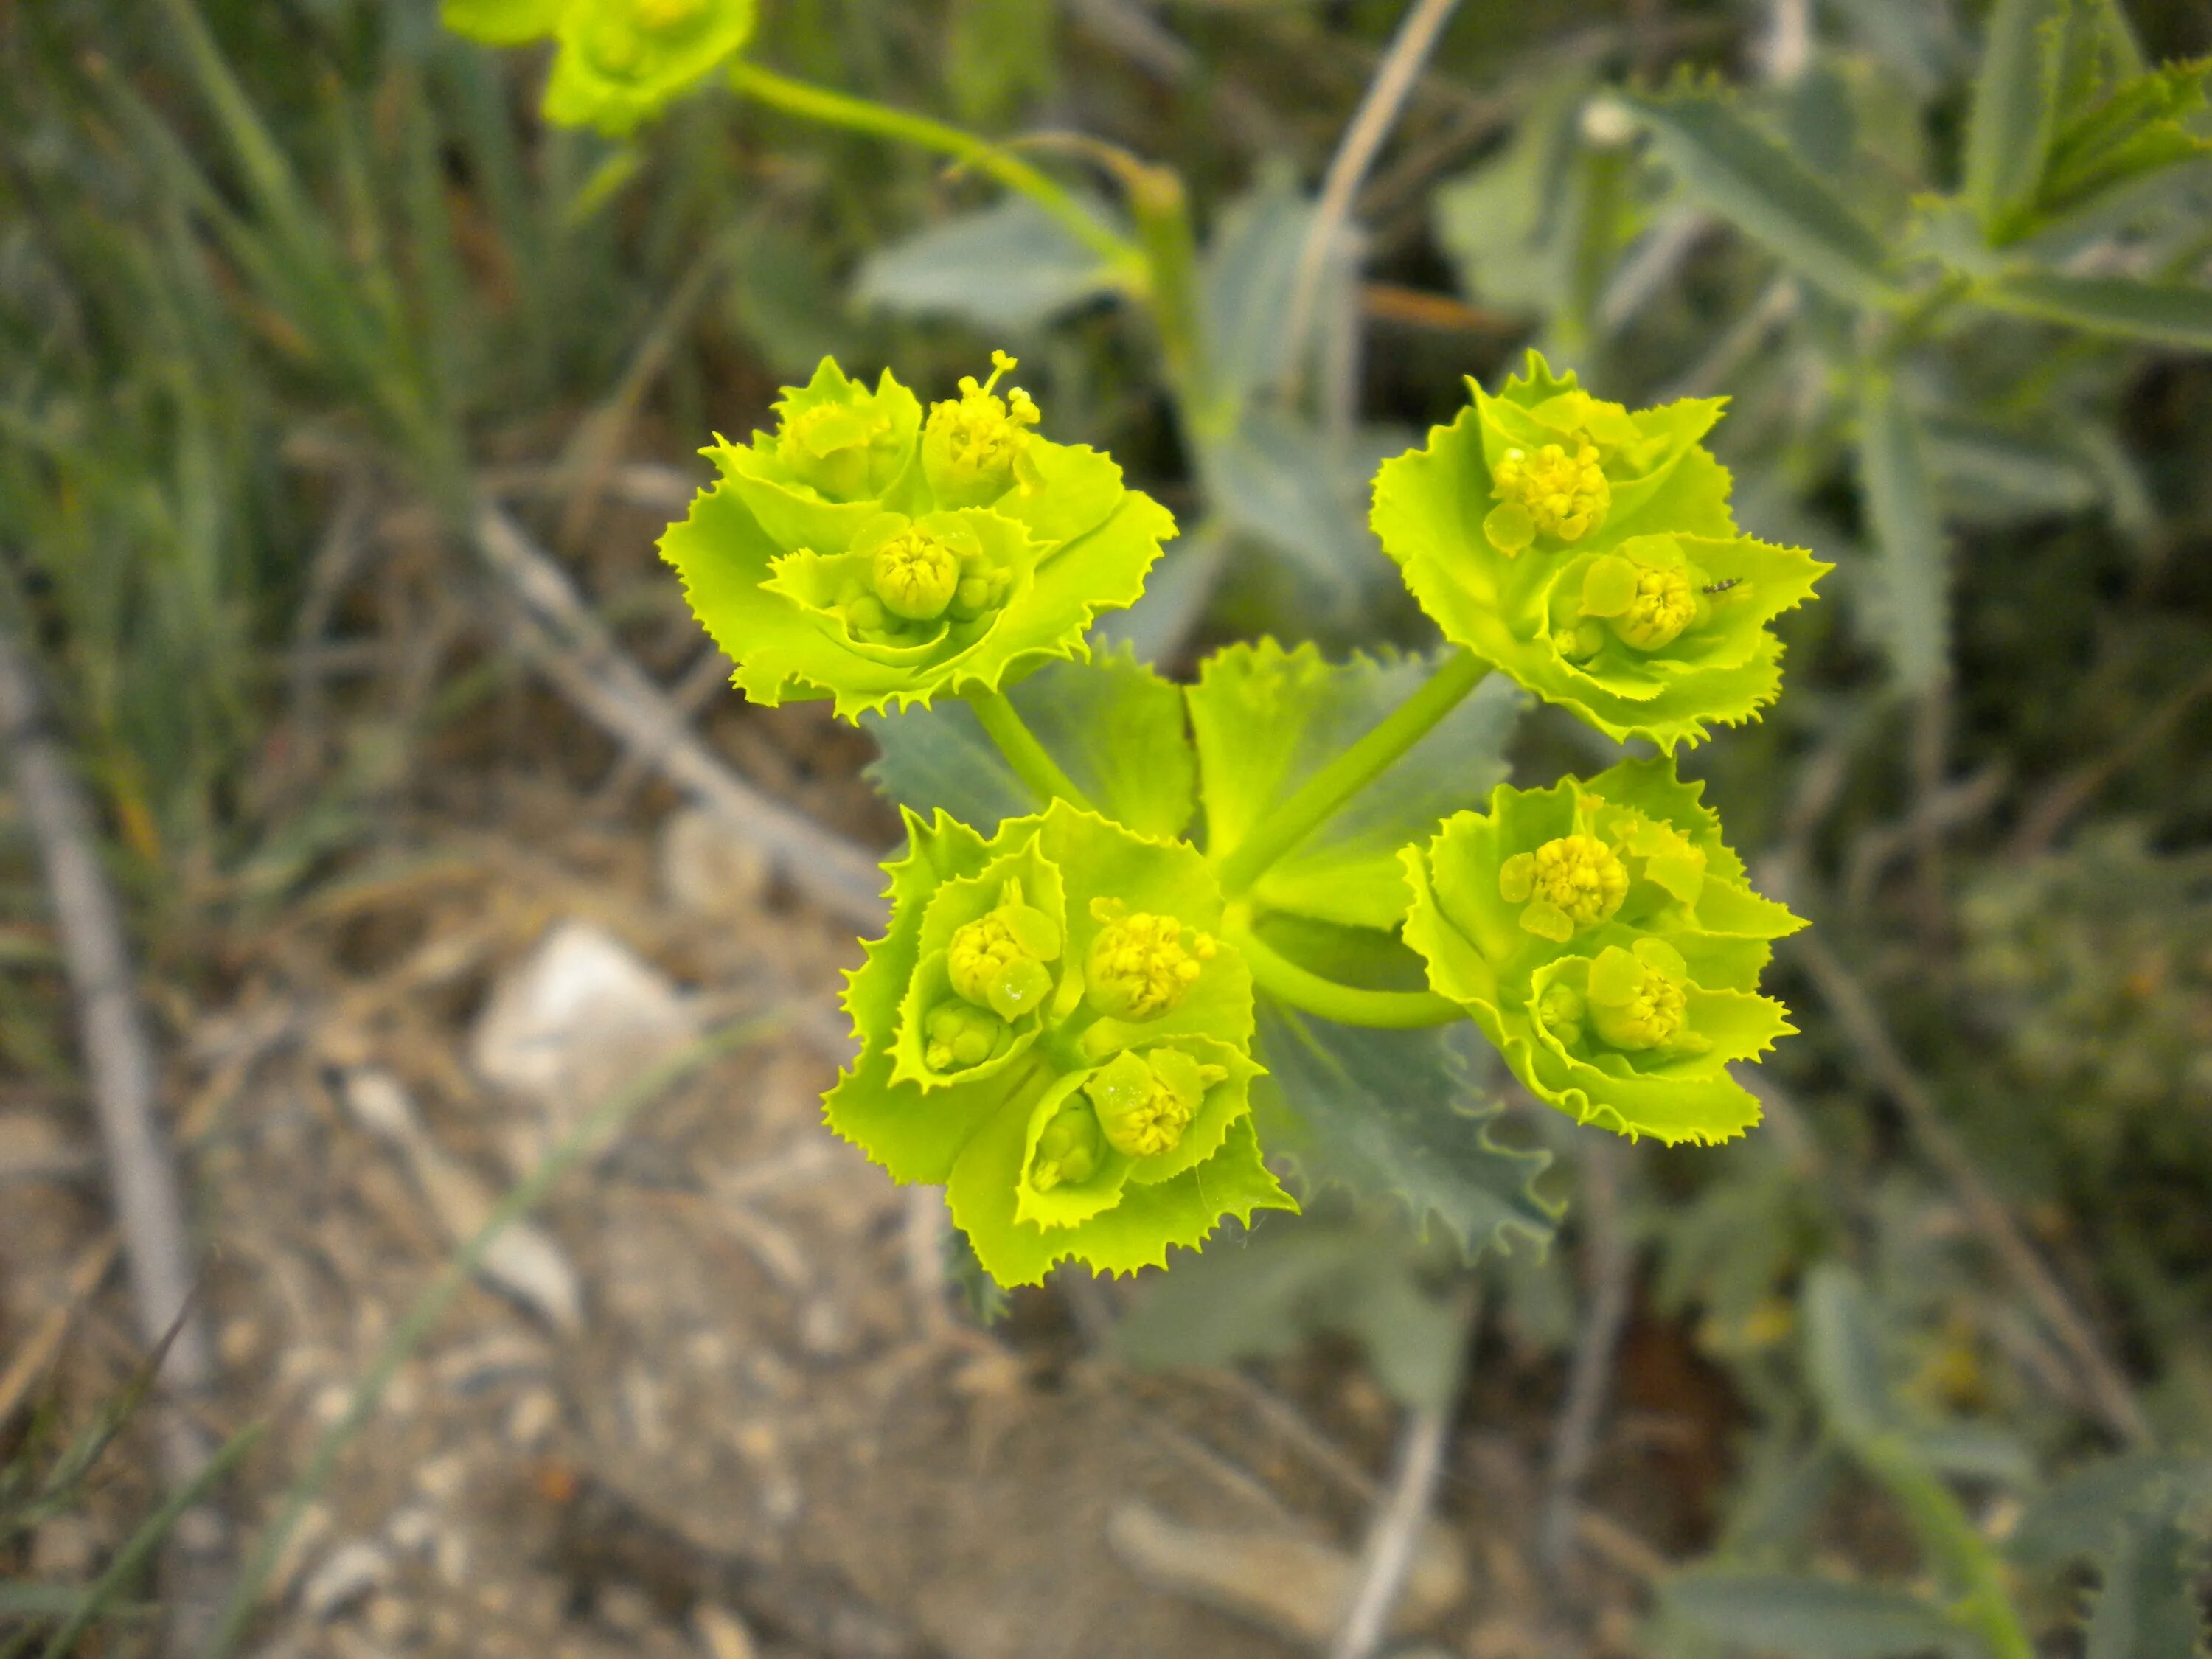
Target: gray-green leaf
[1810,1618]
[2163,313]
[1757,186]
[1912,599]
[1392,1116]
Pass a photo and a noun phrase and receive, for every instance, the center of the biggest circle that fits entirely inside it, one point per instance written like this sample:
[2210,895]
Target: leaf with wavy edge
[1264,720]
[1481,954]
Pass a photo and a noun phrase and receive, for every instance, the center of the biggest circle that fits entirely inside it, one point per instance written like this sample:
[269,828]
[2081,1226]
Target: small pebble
[347,1574]
[533,1418]
[721,1633]
[626,1608]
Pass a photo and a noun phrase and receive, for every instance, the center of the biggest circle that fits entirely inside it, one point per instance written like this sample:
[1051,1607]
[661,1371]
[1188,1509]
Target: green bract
[874,553]
[1604,937]
[620,60]
[1049,1027]
[1590,553]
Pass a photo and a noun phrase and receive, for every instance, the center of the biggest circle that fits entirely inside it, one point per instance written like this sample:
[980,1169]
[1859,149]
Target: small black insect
[1722,586]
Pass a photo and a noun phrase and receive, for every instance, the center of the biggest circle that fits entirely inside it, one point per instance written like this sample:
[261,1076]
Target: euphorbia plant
[1067,1022]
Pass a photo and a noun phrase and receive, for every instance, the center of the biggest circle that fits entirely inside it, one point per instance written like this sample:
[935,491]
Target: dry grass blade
[581,657]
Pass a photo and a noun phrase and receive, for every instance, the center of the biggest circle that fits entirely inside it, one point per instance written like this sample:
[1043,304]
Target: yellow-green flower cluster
[1604,937]
[1591,553]
[1076,1069]
[877,554]
[620,61]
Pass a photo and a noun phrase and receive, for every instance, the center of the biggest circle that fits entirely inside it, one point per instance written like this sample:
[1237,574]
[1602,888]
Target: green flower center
[916,576]
[971,444]
[832,448]
[1566,885]
[1146,1102]
[1140,965]
[962,1036]
[1636,1003]
[997,960]
[1647,605]
[1068,1151]
[1560,490]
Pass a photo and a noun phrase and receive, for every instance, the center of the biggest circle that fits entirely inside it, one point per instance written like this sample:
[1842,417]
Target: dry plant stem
[1611,1273]
[582,658]
[1370,124]
[1387,1557]
[591,1131]
[2041,824]
[121,1071]
[2114,1402]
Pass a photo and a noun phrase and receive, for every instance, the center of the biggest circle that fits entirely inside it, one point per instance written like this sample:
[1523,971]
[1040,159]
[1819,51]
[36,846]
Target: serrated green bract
[620,61]
[1604,939]
[1049,1027]
[1265,719]
[1590,553]
[879,556]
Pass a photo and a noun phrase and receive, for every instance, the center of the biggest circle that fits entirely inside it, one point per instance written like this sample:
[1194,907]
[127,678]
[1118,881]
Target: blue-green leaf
[1264,1297]
[1009,266]
[1912,596]
[2015,109]
[2148,1606]
[1394,1117]
[1758,186]
[1843,1357]
[1115,727]
[1812,1618]
[2162,314]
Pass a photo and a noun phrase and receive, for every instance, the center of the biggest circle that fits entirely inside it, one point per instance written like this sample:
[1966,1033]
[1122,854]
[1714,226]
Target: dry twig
[1370,124]
[120,1073]
[1869,1038]
[574,650]
[1388,1554]
[1612,1267]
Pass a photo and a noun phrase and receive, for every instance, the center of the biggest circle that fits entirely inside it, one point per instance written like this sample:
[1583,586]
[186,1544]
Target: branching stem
[1347,1005]
[1031,764]
[1351,772]
[838,109]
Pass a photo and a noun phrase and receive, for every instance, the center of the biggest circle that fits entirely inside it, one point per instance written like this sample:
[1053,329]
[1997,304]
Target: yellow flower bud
[962,1036]
[1566,885]
[1637,999]
[1146,1101]
[1140,965]
[1561,488]
[915,574]
[997,960]
[1562,1009]
[832,447]
[969,444]
[1068,1149]
[1647,605]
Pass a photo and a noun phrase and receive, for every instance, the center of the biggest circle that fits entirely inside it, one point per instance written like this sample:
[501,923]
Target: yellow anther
[997,961]
[1562,489]
[1140,965]
[1637,999]
[1146,1101]
[1646,603]
[1068,1149]
[1566,884]
[971,444]
[916,576]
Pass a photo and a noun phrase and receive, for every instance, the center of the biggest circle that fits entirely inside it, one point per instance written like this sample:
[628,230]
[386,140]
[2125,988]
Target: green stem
[1957,1550]
[1347,1005]
[838,109]
[1351,772]
[1031,764]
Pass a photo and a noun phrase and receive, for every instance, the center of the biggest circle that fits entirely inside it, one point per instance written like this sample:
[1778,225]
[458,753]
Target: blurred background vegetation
[265,264]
